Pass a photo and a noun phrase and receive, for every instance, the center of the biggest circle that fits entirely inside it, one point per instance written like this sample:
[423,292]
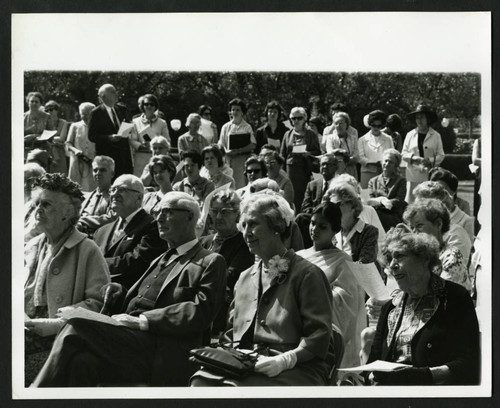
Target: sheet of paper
[125,129]
[299,148]
[82,313]
[473,168]
[378,365]
[365,195]
[369,279]
[47,134]
[148,130]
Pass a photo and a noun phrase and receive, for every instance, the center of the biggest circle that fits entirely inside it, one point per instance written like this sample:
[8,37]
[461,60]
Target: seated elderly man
[168,312]
[131,242]
[96,208]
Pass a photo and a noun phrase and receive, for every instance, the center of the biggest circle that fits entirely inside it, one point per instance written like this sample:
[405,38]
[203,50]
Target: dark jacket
[100,129]
[450,337]
[313,196]
[131,254]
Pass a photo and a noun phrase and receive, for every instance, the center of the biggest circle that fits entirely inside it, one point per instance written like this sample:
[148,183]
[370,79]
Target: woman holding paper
[147,126]
[237,138]
[35,122]
[299,144]
[431,325]
[281,307]
[63,267]
[422,148]
[348,299]
[81,150]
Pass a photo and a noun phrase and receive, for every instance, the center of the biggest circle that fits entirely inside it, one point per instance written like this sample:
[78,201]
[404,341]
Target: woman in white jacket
[422,149]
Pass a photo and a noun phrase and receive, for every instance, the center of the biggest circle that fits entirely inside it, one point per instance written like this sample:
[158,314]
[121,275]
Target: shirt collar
[129,217]
[358,227]
[187,246]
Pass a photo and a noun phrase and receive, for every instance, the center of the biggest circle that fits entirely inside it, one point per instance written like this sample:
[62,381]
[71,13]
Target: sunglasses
[297,118]
[376,125]
[252,171]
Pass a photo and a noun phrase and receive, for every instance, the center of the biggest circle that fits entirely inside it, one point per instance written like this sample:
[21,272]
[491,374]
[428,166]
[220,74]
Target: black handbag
[225,361]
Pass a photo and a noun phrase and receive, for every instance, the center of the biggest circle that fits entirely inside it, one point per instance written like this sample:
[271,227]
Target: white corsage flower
[278,268]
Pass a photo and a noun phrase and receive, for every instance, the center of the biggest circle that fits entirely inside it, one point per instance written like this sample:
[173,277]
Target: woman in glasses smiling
[372,146]
[228,241]
[299,144]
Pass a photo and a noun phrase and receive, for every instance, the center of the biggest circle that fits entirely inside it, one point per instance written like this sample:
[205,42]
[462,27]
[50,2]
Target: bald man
[105,120]
[131,242]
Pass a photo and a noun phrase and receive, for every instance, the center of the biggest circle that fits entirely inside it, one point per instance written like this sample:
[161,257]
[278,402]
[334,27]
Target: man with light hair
[104,124]
[96,207]
[131,242]
[166,314]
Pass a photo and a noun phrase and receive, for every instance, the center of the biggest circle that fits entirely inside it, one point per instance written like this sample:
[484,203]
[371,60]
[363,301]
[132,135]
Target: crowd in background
[250,236]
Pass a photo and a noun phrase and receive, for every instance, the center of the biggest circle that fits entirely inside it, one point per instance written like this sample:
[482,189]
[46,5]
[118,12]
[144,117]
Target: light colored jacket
[75,275]
[433,150]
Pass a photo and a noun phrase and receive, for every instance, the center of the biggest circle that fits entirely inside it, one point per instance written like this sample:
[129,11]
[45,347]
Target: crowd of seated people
[252,240]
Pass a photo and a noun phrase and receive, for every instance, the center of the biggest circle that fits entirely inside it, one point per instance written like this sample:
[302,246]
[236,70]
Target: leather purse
[225,361]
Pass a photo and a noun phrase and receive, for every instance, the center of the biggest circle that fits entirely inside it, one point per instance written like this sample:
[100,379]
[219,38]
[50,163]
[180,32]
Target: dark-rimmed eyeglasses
[121,190]
[223,212]
[297,118]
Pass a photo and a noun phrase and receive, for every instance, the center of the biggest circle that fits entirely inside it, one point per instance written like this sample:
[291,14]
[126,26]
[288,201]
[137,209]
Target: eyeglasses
[252,171]
[168,211]
[223,212]
[121,190]
[376,125]
[49,109]
[297,118]
[149,104]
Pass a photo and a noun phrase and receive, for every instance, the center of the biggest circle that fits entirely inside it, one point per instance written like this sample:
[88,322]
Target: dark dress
[298,165]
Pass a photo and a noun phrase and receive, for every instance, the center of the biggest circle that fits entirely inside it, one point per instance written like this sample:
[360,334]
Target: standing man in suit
[96,208]
[314,194]
[131,242]
[104,123]
[167,312]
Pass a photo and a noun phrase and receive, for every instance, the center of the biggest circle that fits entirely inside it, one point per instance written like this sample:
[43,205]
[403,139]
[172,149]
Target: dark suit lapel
[134,226]
[180,264]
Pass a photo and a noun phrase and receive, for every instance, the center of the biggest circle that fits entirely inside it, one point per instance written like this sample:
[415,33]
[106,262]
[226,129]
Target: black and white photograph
[293,204]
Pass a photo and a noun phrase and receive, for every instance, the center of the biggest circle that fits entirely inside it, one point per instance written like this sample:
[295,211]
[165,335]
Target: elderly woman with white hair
[63,267]
[192,139]
[299,144]
[159,145]
[281,308]
[81,149]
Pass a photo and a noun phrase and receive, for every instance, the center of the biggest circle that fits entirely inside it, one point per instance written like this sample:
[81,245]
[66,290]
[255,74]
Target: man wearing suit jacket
[131,242]
[314,194]
[104,123]
[167,312]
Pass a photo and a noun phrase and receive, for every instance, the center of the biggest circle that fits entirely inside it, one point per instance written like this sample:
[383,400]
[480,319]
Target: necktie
[325,187]
[116,121]
[119,229]
[164,262]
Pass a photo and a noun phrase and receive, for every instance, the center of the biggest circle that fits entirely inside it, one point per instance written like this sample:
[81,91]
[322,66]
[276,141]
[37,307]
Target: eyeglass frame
[119,190]
[168,211]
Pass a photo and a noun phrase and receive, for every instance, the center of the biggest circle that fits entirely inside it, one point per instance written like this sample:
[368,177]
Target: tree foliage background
[180,93]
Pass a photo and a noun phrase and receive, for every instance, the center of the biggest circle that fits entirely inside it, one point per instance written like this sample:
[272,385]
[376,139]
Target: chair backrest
[338,352]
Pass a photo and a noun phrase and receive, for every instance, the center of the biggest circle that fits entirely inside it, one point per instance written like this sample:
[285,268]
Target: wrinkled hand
[110,293]
[404,376]
[127,320]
